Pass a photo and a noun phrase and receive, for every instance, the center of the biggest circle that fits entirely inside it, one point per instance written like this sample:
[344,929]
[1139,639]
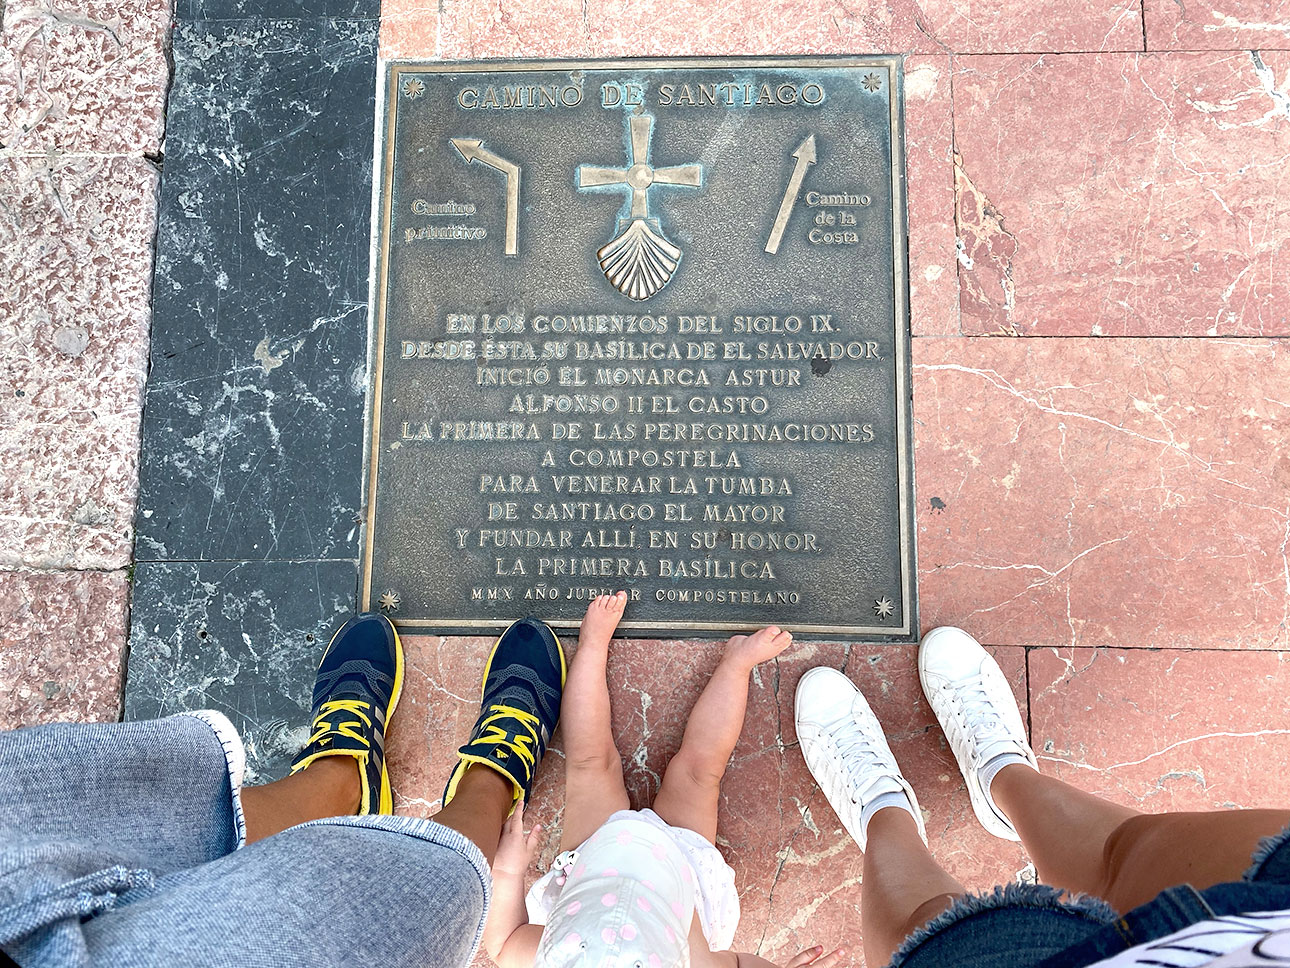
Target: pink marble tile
[439,704]
[76,257]
[628,27]
[1124,194]
[469,29]
[1003,26]
[1217,24]
[62,646]
[409,28]
[929,168]
[1167,730]
[84,75]
[798,872]
[618,28]
[1127,492]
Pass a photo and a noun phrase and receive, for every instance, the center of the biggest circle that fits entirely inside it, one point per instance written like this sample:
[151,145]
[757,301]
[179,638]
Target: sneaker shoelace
[977,715]
[859,753]
[525,743]
[322,724]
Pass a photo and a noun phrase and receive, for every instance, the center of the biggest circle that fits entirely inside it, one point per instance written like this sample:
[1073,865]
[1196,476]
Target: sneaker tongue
[878,786]
[995,748]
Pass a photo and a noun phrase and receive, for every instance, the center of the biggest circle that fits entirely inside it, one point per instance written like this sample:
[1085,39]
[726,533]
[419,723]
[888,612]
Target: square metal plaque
[642,325]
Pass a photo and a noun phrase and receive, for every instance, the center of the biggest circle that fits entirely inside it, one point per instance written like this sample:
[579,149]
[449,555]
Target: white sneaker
[845,749]
[974,704]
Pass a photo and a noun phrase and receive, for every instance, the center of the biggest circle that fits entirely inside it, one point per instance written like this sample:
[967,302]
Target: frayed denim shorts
[1035,926]
[124,845]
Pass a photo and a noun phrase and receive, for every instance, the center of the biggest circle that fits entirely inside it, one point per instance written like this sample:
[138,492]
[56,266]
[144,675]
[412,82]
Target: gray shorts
[122,844]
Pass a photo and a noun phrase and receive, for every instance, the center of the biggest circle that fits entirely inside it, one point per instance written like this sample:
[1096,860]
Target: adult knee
[1129,846]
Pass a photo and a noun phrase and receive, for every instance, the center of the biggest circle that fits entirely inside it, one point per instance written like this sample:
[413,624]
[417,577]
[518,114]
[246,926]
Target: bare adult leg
[1089,845]
[479,808]
[904,887]
[328,787]
[847,753]
[1064,829]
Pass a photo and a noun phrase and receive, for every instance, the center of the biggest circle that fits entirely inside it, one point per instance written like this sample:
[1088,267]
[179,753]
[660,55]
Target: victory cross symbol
[640,260]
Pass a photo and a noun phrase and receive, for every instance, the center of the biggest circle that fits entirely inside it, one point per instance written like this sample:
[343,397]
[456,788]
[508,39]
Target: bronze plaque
[642,325]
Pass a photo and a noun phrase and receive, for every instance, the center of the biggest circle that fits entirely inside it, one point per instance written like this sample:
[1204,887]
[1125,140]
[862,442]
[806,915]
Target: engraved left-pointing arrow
[472,149]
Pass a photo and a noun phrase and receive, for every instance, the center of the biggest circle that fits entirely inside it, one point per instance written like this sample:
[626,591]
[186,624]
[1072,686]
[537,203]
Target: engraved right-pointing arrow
[805,155]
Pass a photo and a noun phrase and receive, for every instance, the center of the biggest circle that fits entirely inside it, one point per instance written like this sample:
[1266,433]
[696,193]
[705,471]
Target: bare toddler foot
[601,619]
[761,645]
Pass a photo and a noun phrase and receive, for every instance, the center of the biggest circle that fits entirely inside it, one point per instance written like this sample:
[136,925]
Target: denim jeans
[122,844]
[1035,926]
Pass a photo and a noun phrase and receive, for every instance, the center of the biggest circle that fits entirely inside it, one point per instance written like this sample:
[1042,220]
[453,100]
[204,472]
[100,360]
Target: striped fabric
[1260,940]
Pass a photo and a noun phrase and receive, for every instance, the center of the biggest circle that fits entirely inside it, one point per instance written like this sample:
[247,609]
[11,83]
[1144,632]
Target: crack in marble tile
[1082,765]
[998,381]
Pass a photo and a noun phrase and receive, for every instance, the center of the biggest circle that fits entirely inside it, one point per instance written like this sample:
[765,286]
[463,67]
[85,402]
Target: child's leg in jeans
[691,783]
[593,772]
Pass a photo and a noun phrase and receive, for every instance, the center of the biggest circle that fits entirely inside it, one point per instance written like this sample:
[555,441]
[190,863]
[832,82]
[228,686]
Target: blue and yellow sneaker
[358,685]
[523,683]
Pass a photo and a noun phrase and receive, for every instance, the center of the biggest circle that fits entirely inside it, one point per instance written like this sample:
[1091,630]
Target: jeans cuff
[1009,895]
[234,759]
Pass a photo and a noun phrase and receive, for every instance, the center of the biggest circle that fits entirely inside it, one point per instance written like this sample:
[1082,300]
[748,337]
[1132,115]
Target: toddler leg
[593,771]
[691,783]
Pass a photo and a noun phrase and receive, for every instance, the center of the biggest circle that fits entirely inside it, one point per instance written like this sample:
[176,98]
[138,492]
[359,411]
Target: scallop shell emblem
[640,260]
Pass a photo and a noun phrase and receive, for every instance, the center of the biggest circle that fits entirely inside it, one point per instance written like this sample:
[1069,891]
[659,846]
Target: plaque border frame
[382,209]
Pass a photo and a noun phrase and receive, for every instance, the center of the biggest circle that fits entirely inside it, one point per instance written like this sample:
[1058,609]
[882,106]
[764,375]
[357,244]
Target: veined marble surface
[1101,487]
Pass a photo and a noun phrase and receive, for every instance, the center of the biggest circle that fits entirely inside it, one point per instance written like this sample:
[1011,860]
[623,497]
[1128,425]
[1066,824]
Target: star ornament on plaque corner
[389,602]
[884,607]
[640,260]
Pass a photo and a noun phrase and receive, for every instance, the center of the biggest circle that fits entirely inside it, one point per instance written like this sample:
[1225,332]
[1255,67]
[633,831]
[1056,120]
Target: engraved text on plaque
[642,325]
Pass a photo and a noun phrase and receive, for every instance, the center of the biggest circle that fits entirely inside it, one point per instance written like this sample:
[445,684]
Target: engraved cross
[639,175]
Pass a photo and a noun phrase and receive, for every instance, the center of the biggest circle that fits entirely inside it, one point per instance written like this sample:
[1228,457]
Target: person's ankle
[482,780]
[1001,777]
[594,645]
[339,777]
[893,809]
[736,662]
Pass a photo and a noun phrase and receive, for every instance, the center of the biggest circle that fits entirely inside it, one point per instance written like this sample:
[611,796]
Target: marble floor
[1099,195]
